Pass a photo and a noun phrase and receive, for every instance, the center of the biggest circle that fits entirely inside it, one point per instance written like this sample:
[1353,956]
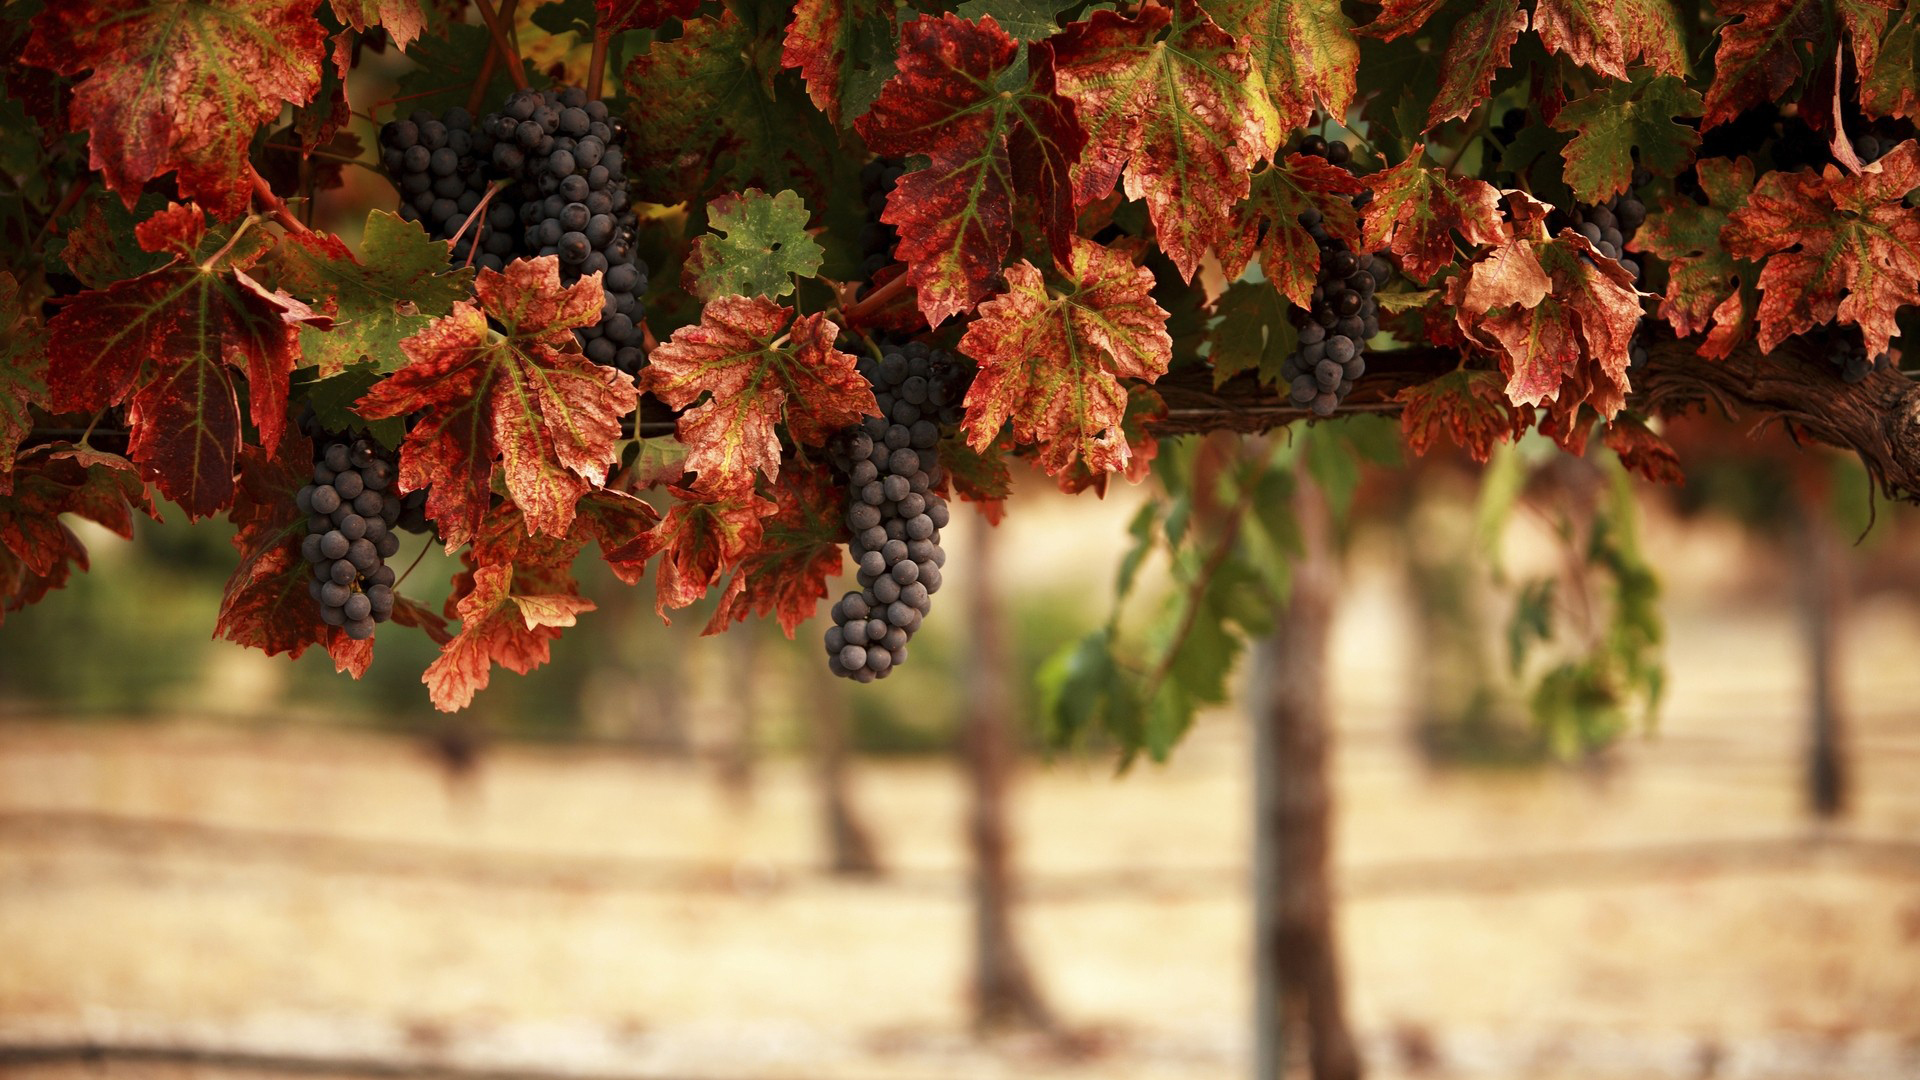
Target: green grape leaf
[1253,333]
[1610,123]
[763,246]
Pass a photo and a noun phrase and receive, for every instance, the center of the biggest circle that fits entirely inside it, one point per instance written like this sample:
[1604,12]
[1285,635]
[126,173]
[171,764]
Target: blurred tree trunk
[737,748]
[850,848]
[1821,577]
[1004,992]
[1297,964]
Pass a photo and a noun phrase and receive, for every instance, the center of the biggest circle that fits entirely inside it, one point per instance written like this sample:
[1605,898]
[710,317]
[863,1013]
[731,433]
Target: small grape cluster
[1848,353]
[1610,226]
[351,513]
[877,238]
[437,163]
[895,514]
[1333,332]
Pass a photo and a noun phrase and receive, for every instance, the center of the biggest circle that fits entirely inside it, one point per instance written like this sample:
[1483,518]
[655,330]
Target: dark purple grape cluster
[561,155]
[877,238]
[351,513]
[1847,351]
[892,468]
[438,163]
[1333,332]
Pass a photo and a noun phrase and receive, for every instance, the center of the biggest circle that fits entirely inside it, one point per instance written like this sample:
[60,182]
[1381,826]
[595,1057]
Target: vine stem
[877,299]
[274,206]
[1460,151]
[597,66]
[477,97]
[416,561]
[515,70]
[474,215]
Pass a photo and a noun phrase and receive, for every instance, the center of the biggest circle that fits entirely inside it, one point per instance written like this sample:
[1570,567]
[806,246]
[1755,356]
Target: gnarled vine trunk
[1821,580]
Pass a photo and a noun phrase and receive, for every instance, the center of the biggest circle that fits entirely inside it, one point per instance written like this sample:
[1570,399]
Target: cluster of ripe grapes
[351,514]
[556,162]
[894,512]
[1848,354]
[1333,332]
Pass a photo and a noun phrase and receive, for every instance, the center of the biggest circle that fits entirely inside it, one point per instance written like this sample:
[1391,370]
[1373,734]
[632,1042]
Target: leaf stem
[274,206]
[415,562]
[477,97]
[245,224]
[877,299]
[1473,134]
[474,215]
[515,70]
[597,66]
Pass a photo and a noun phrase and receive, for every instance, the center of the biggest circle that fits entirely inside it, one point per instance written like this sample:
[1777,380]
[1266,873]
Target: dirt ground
[214,901]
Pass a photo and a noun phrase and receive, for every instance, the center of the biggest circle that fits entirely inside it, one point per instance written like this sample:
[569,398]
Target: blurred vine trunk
[1297,968]
[1822,586]
[1005,995]
[850,847]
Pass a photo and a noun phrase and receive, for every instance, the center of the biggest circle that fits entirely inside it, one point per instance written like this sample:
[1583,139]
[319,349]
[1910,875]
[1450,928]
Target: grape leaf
[522,395]
[1612,122]
[400,283]
[1703,279]
[1478,50]
[1051,360]
[1892,85]
[1654,35]
[701,536]
[180,85]
[1400,17]
[1558,317]
[266,604]
[37,550]
[980,476]
[620,16]
[1469,407]
[510,616]
[1253,333]
[754,370]
[1588,32]
[1023,20]
[786,571]
[1289,255]
[988,130]
[168,341]
[1304,56]
[1415,212]
[403,20]
[23,374]
[763,247]
[101,248]
[448,60]
[1181,114]
[1643,452]
[1835,246]
[1759,55]
[840,46]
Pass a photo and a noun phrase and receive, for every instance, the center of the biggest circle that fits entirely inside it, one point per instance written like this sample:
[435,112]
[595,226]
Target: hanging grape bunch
[437,163]
[892,468]
[1610,227]
[351,512]
[1333,332]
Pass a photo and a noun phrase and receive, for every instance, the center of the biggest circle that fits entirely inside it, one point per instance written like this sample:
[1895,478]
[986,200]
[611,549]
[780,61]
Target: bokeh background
[649,859]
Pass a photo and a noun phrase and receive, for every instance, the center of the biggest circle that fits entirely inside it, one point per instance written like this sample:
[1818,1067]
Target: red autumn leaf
[169,342]
[799,550]
[1891,85]
[620,16]
[1051,360]
[1416,211]
[1398,17]
[983,143]
[754,371]
[402,19]
[523,397]
[1588,33]
[1703,279]
[1143,405]
[1289,255]
[37,550]
[1303,52]
[1468,407]
[701,536]
[828,39]
[1643,452]
[1759,55]
[1835,247]
[508,618]
[1478,51]
[23,374]
[1167,97]
[179,85]
[1558,316]
[978,476]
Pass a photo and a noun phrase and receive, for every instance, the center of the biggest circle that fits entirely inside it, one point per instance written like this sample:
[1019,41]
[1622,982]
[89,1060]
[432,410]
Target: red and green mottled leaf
[505,620]
[1168,98]
[168,343]
[835,43]
[1415,212]
[798,552]
[763,245]
[1759,58]
[1469,407]
[38,552]
[1478,51]
[1835,247]
[1892,84]
[1703,279]
[1654,34]
[699,539]
[1398,17]
[982,476]
[1303,52]
[392,291]
[1023,20]
[1051,360]
[402,19]
[1612,122]
[1289,255]
[1588,32]
[523,397]
[986,134]
[754,371]
[620,16]
[180,85]
[1641,451]
[23,374]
